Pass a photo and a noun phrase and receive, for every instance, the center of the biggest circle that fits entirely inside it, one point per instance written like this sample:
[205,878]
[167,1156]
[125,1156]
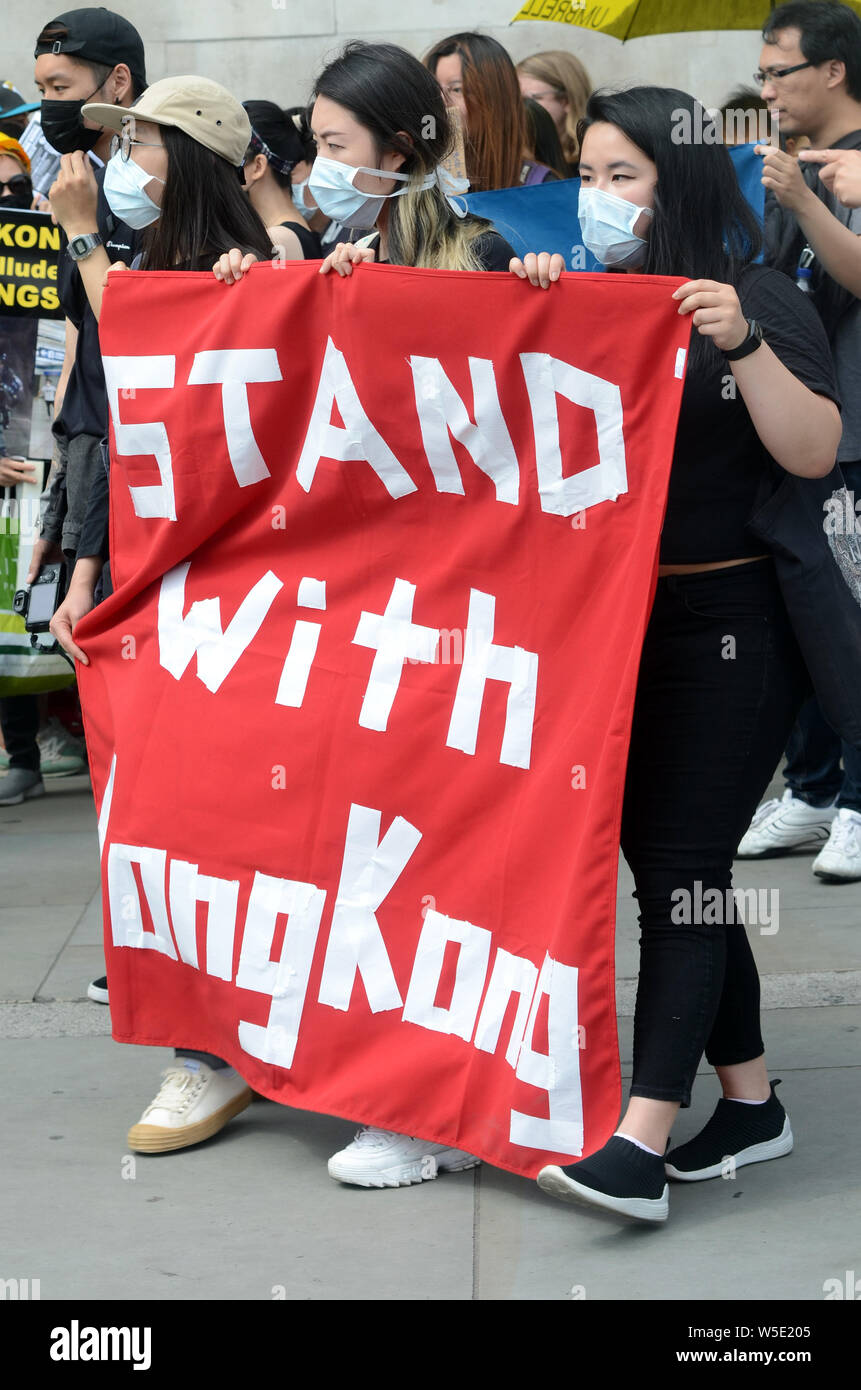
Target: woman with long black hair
[383,134]
[721,677]
[277,148]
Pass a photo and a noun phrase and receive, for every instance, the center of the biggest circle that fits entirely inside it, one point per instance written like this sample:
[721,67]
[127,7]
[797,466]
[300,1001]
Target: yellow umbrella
[634,19]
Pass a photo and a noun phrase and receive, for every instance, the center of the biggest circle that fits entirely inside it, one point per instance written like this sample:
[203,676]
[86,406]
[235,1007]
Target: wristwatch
[82,246]
[750,344]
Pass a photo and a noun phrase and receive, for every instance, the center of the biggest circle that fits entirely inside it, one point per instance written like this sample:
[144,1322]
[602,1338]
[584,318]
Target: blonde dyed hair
[568,78]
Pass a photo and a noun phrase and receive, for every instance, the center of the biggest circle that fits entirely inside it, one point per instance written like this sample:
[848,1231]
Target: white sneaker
[781,826]
[195,1101]
[841,857]
[381,1158]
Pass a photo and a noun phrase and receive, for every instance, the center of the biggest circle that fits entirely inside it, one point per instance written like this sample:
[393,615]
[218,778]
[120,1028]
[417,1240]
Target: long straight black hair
[204,210]
[703,226]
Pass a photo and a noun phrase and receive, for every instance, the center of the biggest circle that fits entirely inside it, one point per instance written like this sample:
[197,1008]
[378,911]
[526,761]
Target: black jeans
[19,720]
[721,682]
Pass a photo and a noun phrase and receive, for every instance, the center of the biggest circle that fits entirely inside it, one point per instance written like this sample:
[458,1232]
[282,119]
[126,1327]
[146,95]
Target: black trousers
[19,720]
[721,682]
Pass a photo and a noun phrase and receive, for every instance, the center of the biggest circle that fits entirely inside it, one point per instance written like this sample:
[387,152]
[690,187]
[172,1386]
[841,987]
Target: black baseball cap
[96,36]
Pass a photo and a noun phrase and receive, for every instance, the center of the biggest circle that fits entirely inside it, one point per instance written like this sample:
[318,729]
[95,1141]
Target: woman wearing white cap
[177,173]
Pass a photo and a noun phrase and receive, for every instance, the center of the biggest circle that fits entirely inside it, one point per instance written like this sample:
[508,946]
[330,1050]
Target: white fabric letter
[556,1072]
[188,887]
[233,368]
[287,979]
[440,410]
[297,664]
[139,374]
[357,441]
[396,637]
[546,377]
[369,871]
[484,660]
[474,953]
[200,631]
[126,914]
[510,975]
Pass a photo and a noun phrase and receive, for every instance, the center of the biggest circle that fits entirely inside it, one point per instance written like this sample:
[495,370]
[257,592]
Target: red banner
[358,711]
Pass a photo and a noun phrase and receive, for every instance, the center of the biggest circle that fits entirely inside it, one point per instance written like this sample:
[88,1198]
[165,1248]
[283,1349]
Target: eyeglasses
[19,184]
[123,143]
[763,75]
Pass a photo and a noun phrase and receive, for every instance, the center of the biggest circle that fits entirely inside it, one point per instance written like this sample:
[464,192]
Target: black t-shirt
[308,240]
[719,460]
[492,250]
[85,404]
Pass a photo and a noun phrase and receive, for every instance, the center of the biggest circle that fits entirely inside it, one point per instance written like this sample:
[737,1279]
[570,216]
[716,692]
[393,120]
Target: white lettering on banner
[557,1071]
[200,633]
[297,664]
[233,369]
[369,871]
[483,660]
[140,374]
[188,887]
[370,867]
[459,1017]
[440,410]
[357,441]
[127,926]
[546,378]
[396,639]
[286,980]
[511,975]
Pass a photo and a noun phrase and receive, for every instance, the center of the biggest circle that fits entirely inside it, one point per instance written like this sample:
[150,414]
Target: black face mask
[63,126]
[16,200]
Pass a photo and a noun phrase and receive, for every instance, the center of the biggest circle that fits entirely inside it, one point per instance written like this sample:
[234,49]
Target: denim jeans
[721,682]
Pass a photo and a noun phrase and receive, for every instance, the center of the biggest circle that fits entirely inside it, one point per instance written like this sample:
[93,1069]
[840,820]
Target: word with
[392,636]
[78,1343]
[440,410]
[171,891]
[716,907]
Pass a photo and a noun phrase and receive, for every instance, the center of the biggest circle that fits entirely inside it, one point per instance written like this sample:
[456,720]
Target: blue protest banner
[543,217]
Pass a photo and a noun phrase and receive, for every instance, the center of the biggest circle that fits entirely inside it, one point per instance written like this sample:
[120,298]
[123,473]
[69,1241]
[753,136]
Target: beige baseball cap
[203,109]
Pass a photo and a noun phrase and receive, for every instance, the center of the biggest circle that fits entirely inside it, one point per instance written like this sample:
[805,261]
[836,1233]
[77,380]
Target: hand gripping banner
[358,712]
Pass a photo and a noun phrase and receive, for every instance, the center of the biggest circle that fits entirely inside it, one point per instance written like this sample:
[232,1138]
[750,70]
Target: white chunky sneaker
[195,1101]
[781,826]
[841,858]
[381,1158]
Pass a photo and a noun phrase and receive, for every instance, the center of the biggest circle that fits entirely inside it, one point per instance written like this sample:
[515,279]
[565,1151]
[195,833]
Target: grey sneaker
[20,784]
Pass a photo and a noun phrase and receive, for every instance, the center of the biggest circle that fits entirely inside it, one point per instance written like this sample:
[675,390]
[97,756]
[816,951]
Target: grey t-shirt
[839,309]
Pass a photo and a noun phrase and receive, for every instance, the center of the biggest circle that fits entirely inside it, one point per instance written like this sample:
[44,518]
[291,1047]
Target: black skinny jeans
[721,682]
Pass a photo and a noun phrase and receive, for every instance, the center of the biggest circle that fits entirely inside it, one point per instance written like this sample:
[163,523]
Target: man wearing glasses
[810,73]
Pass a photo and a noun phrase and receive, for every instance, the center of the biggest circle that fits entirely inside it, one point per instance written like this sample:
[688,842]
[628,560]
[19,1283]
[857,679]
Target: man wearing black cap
[82,55]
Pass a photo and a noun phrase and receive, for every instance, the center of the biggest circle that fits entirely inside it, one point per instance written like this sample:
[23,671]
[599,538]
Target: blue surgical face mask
[607,227]
[298,191]
[333,190]
[124,190]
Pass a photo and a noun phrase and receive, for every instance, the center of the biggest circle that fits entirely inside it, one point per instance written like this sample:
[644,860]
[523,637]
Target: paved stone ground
[254,1210]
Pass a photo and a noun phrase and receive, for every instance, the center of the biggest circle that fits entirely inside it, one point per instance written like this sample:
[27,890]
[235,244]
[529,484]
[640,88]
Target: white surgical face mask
[124,190]
[607,226]
[333,190]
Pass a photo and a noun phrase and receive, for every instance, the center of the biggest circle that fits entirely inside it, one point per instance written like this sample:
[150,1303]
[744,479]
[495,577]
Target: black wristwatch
[750,344]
